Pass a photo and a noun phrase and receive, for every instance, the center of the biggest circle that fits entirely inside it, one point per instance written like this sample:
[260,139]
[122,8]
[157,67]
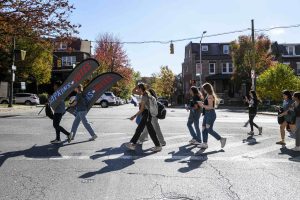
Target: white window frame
[288,50]
[68,61]
[286,63]
[204,47]
[214,65]
[63,46]
[298,68]
[227,68]
[225,49]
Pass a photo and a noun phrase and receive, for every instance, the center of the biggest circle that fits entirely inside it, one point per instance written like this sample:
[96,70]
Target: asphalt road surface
[31,168]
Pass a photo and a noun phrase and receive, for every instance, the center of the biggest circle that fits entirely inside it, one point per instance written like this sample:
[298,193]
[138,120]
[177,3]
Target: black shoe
[281,142]
[69,138]
[55,141]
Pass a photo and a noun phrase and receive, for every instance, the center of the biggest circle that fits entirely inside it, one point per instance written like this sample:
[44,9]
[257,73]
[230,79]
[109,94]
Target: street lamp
[200,59]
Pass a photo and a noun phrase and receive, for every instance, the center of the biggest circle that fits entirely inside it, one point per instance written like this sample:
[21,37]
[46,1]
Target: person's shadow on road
[183,152]
[44,151]
[118,163]
[295,155]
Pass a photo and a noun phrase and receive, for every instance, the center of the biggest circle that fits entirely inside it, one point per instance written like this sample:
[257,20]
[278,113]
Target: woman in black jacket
[253,101]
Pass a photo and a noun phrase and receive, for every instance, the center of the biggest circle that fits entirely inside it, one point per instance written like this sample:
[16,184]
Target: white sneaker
[130,146]
[203,146]
[259,130]
[156,149]
[197,143]
[223,142]
[297,148]
[251,133]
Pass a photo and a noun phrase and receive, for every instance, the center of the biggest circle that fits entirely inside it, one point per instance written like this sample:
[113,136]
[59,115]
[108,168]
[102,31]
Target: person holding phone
[194,116]
[209,104]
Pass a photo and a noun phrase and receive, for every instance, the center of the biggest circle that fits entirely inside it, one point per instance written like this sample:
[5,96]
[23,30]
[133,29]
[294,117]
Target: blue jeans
[194,118]
[81,116]
[208,123]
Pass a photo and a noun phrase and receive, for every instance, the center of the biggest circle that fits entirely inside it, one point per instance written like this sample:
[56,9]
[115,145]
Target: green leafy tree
[163,82]
[242,53]
[274,80]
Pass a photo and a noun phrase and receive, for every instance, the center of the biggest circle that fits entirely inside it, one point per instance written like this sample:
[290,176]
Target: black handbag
[280,119]
[49,111]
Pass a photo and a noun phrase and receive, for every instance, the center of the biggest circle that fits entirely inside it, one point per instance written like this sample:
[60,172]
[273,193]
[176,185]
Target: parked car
[107,99]
[26,98]
[4,100]
[163,100]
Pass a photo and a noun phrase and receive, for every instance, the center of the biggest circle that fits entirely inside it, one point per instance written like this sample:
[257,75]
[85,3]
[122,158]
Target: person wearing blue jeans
[194,116]
[209,116]
[81,112]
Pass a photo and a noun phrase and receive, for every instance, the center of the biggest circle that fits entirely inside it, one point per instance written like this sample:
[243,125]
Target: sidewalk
[17,108]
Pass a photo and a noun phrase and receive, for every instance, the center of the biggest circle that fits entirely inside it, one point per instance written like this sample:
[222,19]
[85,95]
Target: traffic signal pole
[11,89]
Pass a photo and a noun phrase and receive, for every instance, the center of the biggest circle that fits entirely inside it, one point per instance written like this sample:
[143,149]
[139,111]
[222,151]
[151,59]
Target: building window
[290,50]
[62,46]
[68,60]
[212,68]
[298,68]
[225,49]
[204,47]
[227,68]
[286,63]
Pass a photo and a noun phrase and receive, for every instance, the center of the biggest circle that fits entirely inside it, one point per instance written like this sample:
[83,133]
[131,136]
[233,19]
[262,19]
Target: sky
[165,20]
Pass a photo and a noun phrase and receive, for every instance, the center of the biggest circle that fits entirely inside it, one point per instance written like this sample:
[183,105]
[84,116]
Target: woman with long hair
[253,102]
[194,116]
[286,105]
[145,121]
[209,104]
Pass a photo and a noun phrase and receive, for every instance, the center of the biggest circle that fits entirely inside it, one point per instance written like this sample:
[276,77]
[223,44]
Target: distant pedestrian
[253,102]
[57,116]
[145,121]
[287,103]
[81,112]
[155,125]
[296,97]
[209,105]
[194,116]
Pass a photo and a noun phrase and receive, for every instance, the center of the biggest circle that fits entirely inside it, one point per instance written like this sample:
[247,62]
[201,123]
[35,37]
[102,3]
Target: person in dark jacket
[296,97]
[58,113]
[253,102]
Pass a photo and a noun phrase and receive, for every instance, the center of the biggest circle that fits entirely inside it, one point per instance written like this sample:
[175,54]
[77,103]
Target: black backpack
[49,111]
[162,112]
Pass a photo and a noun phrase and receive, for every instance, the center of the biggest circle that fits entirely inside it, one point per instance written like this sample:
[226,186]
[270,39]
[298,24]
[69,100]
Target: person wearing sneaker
[194,116]
[81,112]
[253,102]
[155,125]
[145,121]
[287,103]
[209,104]
[296,98]
[57,116]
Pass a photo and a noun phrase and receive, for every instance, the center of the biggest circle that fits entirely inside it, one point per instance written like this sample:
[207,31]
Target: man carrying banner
[81,112]
[58,113]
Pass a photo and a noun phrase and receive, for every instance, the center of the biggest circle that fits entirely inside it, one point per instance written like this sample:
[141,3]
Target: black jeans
[251,118]
[56,120]
[145,122]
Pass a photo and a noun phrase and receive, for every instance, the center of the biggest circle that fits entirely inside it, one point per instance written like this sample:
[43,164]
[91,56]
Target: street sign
[13,67]
[252,74]
[13,78]
[23,86]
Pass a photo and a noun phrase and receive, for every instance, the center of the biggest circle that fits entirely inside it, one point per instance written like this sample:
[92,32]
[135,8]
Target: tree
[274,80]
[113,58]
[36,18]
[164,80]
[242,53]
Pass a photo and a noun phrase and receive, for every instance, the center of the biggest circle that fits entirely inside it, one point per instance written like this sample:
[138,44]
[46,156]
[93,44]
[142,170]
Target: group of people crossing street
[203,102]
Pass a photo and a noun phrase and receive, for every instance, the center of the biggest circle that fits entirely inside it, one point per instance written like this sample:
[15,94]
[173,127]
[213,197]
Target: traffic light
[171,48]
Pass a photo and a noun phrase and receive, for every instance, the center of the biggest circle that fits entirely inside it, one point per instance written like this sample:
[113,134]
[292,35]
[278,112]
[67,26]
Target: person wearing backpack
[81,112]
[145,121]
[57,116]
[194,116]
[155,125]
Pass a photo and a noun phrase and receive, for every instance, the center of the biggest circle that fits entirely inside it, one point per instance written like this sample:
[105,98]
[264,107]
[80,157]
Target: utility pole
[13,68]
[200,60]
[253,74]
